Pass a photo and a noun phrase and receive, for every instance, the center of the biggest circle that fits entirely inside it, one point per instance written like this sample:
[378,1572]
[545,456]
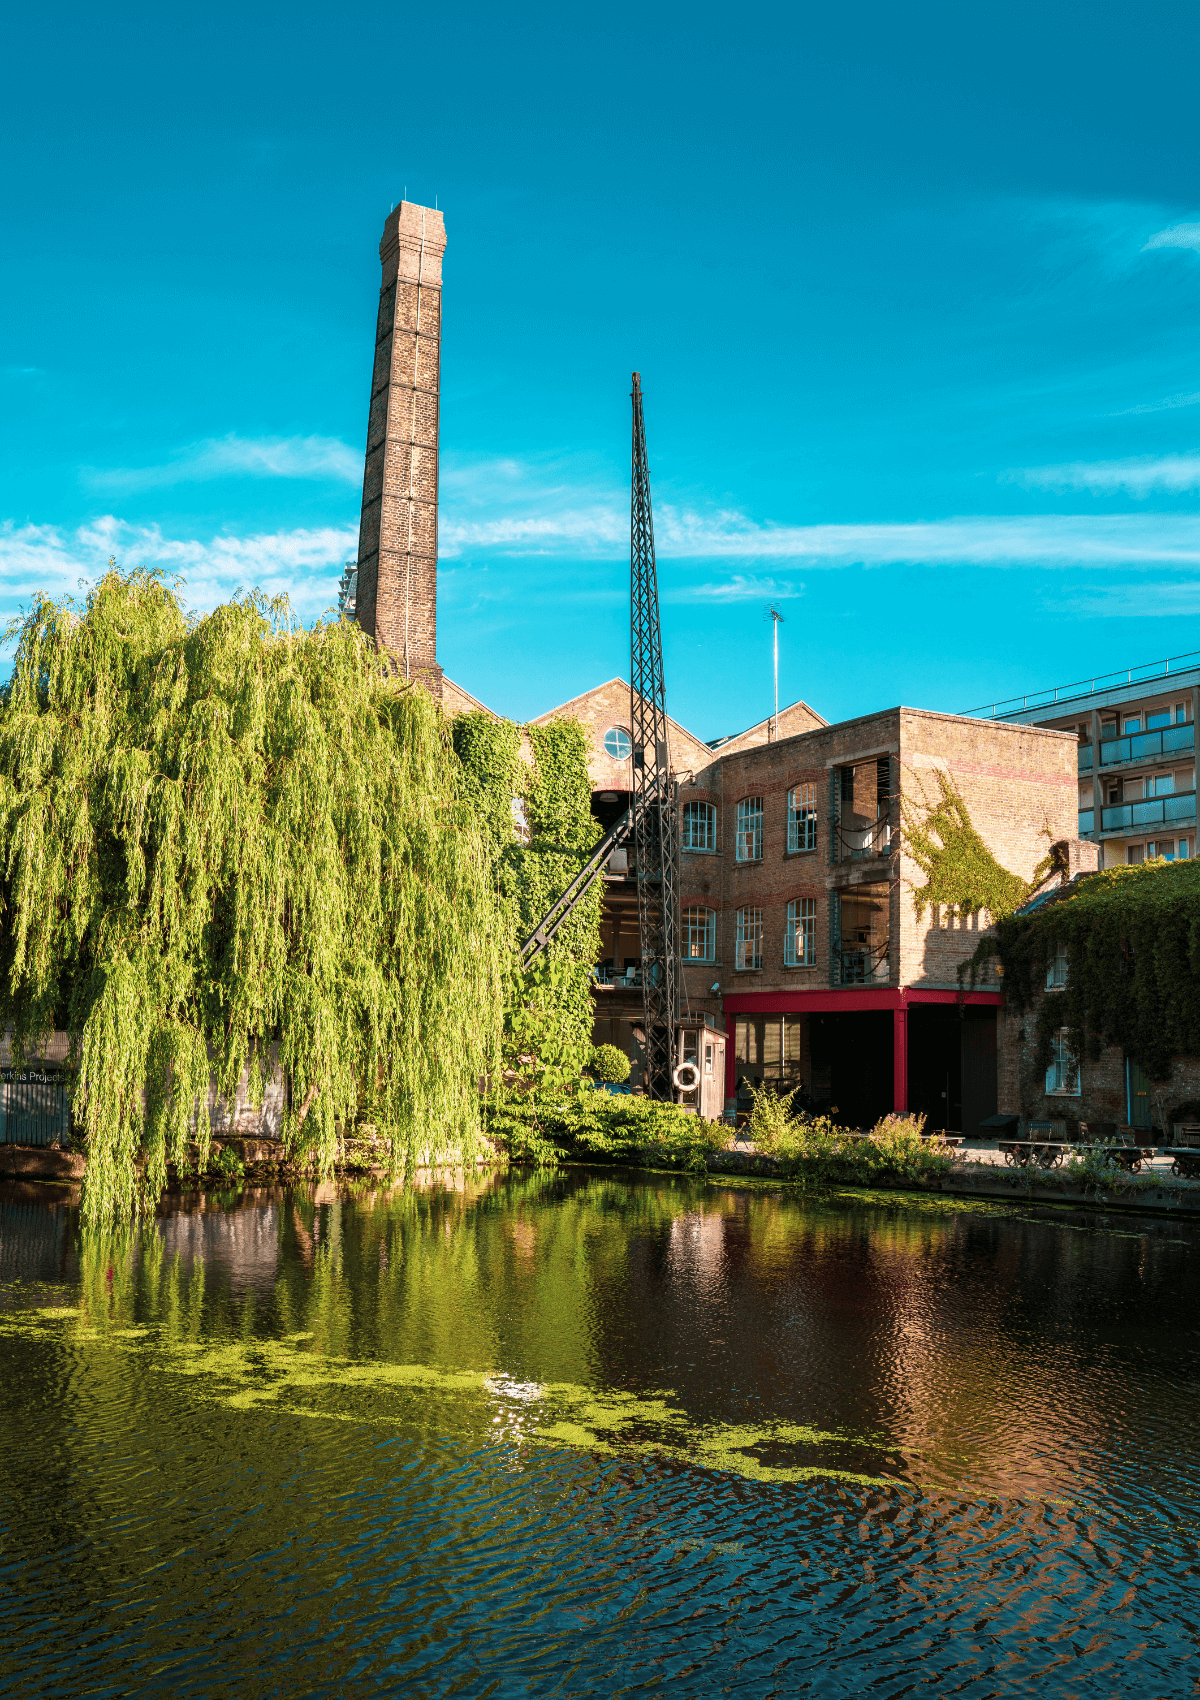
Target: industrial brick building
[801,939]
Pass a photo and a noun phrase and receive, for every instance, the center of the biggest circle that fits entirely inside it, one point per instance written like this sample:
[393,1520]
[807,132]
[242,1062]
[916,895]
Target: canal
[590,1433]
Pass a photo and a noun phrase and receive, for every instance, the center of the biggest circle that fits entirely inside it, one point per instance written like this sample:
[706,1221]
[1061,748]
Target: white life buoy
[686,1076]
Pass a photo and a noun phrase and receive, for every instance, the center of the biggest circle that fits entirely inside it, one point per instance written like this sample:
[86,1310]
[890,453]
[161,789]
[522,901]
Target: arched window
[802,818]
[749,938]
[699,935]
[699,826]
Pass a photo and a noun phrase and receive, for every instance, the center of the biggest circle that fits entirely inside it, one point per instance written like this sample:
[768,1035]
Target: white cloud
[1137,477]
[304,563]
[237,457]
[1188,399]
[1176,236]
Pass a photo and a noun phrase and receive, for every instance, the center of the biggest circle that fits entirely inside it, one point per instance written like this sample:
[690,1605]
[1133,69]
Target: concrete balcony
[1147,746]
[1179,809]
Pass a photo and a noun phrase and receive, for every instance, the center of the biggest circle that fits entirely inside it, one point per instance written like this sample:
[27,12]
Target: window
[1181,713]
[1063,1074]
[1056,969]
[1158,717]
[699,935]
[617,743]
[1135,853]
[802,818]
[1132,723]
[1163,847]
[1183,849]
[1164,785]
[800,940]
[749,938]
[699,826]
[750,830]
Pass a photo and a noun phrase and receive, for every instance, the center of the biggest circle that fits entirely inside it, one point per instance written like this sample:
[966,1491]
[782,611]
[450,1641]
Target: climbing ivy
[548,1020]
[225,834]
[1132,942]
[961,874]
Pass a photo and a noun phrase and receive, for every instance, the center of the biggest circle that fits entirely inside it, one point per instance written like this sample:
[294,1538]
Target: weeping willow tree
[228,842]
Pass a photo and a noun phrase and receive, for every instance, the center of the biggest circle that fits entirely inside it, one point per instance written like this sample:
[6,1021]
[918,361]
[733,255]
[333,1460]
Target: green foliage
[229,1165]
[548,1023]
[610,1064]
[961,874]
[1132,938]
[814,1149]
[225,834]
[590,1126]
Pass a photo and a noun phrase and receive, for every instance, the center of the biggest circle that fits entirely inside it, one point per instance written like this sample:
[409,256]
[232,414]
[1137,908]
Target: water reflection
[576,1433]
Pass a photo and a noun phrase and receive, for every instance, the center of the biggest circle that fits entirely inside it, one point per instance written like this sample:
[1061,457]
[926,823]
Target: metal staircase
[567,899]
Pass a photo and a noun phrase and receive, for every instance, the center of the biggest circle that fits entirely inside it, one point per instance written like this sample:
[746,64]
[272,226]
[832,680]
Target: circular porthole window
[617,743]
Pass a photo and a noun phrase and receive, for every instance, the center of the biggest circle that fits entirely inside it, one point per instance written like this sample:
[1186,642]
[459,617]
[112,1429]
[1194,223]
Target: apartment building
[801,938]
[1136,737]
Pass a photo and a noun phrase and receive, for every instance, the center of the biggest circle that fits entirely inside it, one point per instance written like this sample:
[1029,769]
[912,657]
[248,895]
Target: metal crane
[651,821]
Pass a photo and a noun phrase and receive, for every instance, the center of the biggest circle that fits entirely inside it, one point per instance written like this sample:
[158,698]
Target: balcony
[859,843]
[1085,758]
[1145,746]
[1087,822]
[1155,811]
[868,965]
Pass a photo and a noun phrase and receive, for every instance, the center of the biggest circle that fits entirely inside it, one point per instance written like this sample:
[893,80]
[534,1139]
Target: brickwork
[1102,1095]
[397,548]
[607,706]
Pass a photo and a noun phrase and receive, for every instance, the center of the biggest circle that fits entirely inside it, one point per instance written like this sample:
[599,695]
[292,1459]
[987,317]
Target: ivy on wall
[548,1022]
[1132,942]
[961,874]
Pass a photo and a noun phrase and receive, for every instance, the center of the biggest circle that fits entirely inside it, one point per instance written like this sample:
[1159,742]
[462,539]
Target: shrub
[610,1064]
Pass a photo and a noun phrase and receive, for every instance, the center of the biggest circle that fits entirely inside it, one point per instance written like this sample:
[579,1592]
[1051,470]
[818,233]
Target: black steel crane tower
[654,812]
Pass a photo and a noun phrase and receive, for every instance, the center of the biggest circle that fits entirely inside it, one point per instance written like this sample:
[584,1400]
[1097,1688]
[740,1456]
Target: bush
[610,1064]
[228,1164]
[591,1126]
[815,1148]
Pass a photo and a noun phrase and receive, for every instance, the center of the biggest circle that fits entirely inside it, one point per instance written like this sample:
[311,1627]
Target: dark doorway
[852,1065]
[952,1066]
[935,1065]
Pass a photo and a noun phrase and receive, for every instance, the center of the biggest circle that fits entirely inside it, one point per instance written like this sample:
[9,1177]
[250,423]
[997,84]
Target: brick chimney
[397,539]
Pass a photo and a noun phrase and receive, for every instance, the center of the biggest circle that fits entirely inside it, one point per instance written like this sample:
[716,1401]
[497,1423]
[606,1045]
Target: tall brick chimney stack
[396,597]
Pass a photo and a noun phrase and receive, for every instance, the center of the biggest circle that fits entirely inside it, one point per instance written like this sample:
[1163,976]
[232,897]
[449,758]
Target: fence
[35,1106]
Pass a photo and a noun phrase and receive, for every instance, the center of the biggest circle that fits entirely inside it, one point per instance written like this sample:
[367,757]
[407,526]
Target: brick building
[800,934]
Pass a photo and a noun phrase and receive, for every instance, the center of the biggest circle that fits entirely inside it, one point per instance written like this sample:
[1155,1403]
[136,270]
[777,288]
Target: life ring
[686,1076]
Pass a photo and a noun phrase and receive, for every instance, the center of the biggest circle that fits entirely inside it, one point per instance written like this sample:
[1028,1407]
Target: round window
[617,743]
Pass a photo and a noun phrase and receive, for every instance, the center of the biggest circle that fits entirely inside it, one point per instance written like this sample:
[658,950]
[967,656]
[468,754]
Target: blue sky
[914,293]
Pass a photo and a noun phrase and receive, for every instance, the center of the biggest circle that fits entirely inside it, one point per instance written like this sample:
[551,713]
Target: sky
[914,293]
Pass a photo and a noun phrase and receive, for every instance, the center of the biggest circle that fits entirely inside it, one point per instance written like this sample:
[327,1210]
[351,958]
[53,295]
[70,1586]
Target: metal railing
[1144,746]
[1155,811]
[1085,758]
[35,1107]
[855,843]
[1146,673]
[863,965]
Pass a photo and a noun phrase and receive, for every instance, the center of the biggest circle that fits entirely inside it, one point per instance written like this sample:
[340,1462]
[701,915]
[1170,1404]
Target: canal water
[588,1433]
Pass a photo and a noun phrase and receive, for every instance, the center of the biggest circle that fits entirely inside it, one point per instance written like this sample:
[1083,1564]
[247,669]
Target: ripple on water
[661,1435]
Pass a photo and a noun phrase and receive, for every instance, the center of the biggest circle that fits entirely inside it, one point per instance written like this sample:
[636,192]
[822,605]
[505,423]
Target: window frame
[1057,969]
[748,934]
[802,819]
[686,934]
[1061,1061]
[620,732]
[809,923]
[749,809]
[709,849]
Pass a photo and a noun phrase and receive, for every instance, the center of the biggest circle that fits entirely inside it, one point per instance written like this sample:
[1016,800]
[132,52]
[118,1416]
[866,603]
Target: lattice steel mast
[653,790]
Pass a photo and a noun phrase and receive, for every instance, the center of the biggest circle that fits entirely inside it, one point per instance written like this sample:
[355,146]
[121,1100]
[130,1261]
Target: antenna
[776,619]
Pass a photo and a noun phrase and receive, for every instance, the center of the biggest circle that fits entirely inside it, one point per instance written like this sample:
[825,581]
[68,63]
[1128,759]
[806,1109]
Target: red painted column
[900,1059]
